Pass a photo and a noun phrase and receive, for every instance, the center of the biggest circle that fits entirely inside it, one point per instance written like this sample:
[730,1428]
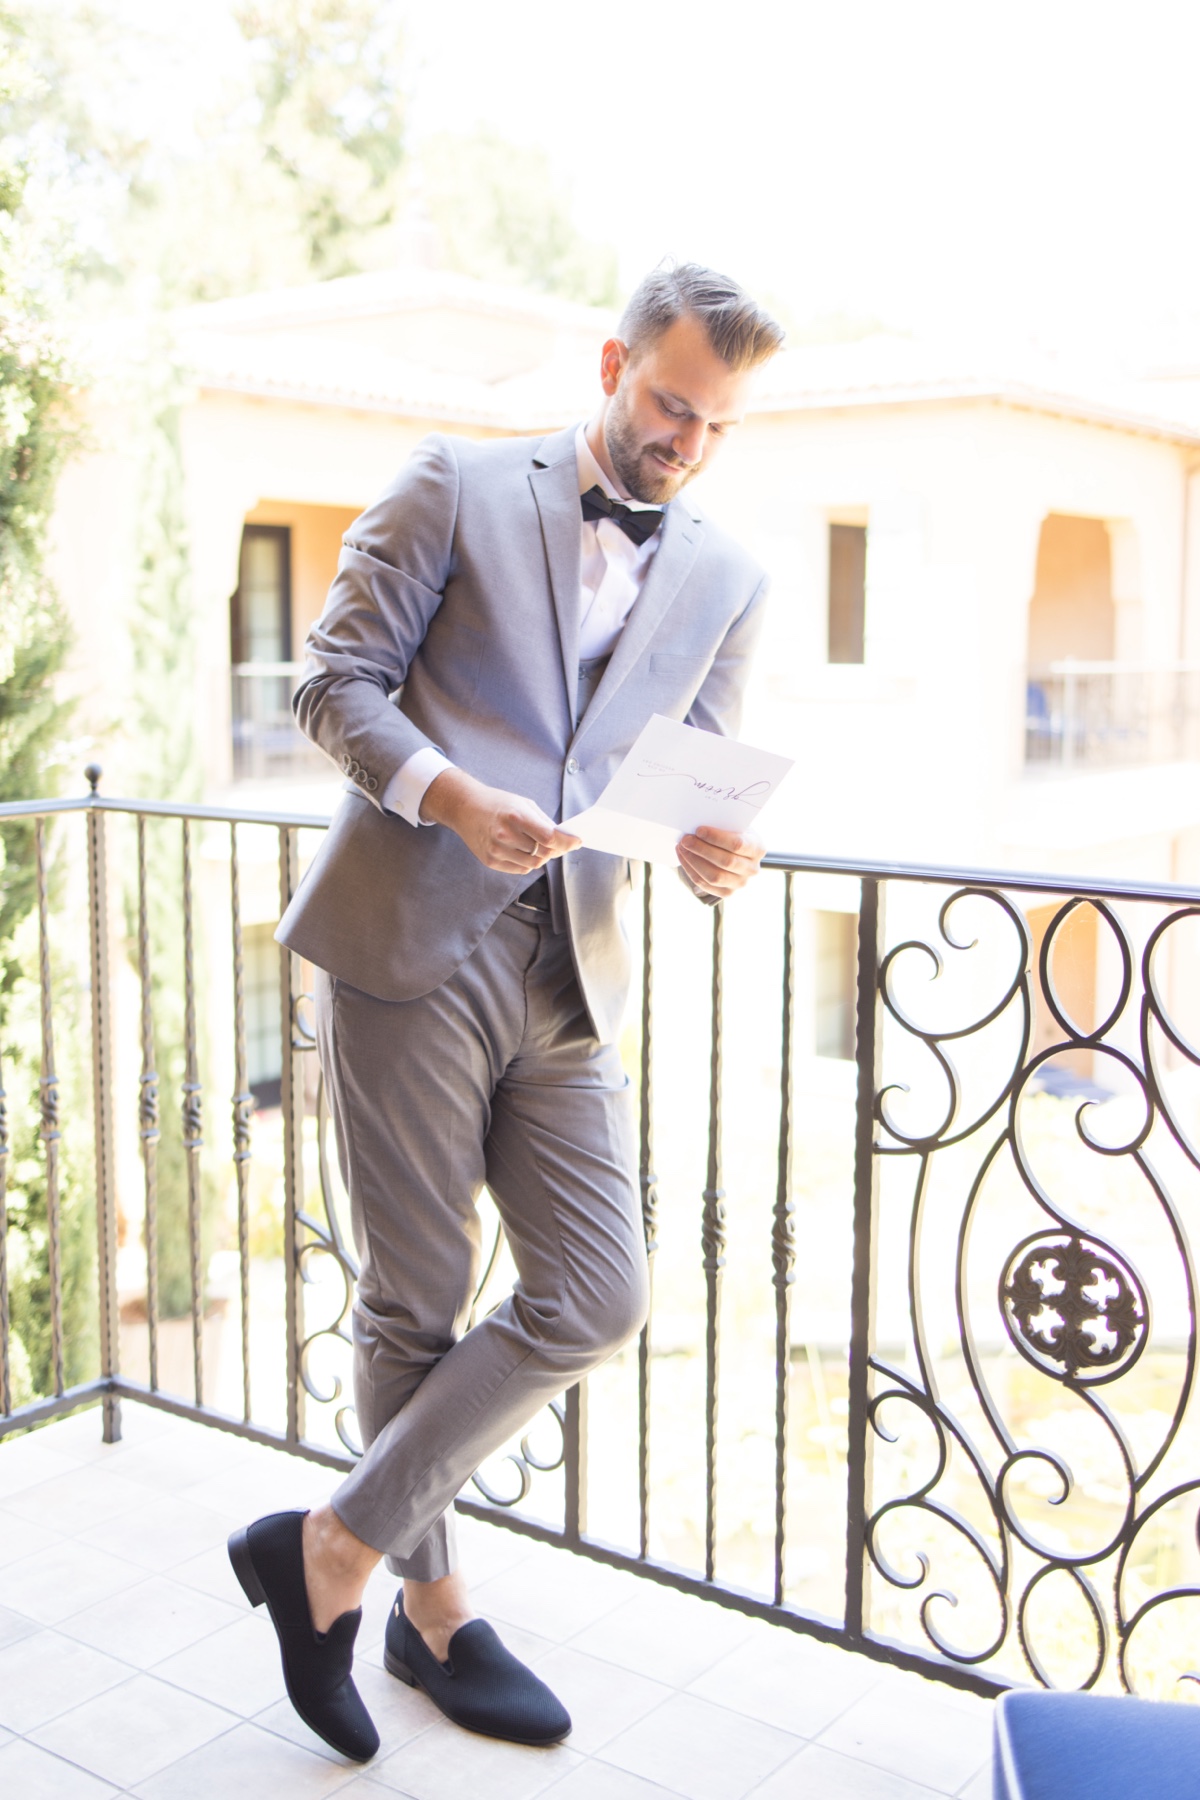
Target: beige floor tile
[14,1626]
[667,1636]
[169,1531]
[237,1667]
[212,1573]
[247,1761]
[980,1785]
[28,1461]
[787,1680]
[552,1594]
[363,1787]
[183,1460]
[906,1726]
[701,1750]
[601,1698]
[600,1781]
[133,1731]
[816,1772]
[265,1481]
[29,1773]
[445,1763]
[79,1500]
[486,1550]
[22,1537]
[55,1583]
[48,1674]
[153,1620]
[82,1434]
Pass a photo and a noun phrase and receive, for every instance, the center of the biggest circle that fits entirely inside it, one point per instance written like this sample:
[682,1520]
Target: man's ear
[614,360]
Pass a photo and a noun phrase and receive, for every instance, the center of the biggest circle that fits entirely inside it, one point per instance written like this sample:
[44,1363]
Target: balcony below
[131,1665]
[1111,715]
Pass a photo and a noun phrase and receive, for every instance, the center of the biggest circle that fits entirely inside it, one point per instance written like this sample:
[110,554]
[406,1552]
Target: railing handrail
[248,669]
[1071,665]
[791,862]
[166,809]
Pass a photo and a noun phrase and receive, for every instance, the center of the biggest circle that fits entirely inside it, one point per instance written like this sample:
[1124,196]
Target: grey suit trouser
[495,1077]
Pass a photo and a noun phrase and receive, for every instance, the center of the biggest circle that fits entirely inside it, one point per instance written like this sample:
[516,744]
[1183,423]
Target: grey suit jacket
[454,621]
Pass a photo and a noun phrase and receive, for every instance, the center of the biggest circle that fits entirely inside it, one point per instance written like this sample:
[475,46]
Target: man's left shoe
[481,1685]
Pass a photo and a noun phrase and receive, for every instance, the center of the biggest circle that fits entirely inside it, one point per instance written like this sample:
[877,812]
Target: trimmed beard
[641,477]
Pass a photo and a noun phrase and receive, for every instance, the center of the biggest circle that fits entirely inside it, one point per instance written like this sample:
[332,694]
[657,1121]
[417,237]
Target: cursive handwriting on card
[752,795]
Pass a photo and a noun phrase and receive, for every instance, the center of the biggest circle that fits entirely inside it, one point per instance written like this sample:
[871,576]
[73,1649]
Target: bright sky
[1031,163]
[1028,166]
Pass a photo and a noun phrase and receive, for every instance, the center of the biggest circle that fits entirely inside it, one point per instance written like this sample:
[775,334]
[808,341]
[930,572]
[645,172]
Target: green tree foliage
[34,436]
[501,216]
[331,116]
[159,723]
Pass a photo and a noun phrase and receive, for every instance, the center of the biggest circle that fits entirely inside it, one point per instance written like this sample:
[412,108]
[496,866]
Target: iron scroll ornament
[325,1238]
[1071,1303]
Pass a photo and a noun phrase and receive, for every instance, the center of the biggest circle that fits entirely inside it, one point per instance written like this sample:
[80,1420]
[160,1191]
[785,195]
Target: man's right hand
[505,831]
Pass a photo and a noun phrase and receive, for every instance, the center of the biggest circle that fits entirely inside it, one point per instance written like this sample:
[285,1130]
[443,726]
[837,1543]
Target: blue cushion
[1094,1746]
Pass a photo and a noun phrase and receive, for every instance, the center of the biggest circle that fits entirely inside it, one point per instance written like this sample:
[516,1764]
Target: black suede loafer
[268,1560]
[481,1685]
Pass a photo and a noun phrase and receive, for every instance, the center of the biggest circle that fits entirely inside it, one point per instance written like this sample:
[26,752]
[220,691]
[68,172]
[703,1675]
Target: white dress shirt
[612,569]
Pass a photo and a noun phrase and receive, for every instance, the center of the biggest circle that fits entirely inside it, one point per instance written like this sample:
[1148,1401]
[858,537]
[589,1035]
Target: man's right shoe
[481,1685]
[268,1560]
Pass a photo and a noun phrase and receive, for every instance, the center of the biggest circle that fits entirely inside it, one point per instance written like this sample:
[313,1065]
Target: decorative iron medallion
[1073,1308]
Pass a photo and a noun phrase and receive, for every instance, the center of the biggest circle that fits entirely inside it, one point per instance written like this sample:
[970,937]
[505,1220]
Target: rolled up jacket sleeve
[395,562]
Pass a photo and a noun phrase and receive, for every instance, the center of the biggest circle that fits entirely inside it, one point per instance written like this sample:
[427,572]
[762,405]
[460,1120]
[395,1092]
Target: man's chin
[656,485]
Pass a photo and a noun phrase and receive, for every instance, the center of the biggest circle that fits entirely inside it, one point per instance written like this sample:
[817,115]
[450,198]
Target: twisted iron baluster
[712,1238]
[148,1104]
[783,1239]
[291,1099]
[243,1103]
[192,1110]
[649,1188]
[5,1372]
[50,1134]
[868,1040]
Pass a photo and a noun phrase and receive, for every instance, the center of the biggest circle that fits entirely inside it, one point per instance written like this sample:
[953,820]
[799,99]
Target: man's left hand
[719,862]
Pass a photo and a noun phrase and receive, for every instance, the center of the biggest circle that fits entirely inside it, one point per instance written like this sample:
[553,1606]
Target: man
[504,621]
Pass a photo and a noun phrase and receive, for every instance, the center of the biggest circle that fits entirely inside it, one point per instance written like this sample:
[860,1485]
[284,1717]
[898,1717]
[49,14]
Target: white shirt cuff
[406,790]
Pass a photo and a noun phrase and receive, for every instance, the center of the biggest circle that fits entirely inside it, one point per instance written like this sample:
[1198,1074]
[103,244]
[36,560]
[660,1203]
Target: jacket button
[572,766]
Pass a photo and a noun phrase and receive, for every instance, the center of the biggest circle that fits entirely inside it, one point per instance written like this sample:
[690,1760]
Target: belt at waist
[537,895]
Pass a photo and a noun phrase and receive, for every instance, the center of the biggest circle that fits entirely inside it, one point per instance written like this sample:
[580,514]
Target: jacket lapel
[682,536]
[555,483]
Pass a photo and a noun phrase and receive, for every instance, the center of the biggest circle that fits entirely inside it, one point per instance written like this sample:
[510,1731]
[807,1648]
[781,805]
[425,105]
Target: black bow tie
[639,526]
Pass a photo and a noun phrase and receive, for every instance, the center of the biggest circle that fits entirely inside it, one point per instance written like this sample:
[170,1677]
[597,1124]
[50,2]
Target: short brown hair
[739,330]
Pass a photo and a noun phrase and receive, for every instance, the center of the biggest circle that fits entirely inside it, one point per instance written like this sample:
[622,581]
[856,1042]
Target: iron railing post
[575,1432]
[649,1190]
[868,1054]
[102,1111]
[712,1242]
[783,1240]
[291,1100]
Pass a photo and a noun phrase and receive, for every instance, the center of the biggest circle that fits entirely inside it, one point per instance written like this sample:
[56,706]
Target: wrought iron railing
[920,1373]
[1093,715]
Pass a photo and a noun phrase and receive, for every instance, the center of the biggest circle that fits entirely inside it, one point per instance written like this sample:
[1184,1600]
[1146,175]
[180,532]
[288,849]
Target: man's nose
[688,442]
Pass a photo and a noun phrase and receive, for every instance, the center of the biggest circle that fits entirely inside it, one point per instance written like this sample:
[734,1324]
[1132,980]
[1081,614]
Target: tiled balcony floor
[131,1664]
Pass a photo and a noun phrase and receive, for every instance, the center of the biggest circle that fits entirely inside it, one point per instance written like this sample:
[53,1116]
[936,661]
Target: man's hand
[719,862]
[505,831]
